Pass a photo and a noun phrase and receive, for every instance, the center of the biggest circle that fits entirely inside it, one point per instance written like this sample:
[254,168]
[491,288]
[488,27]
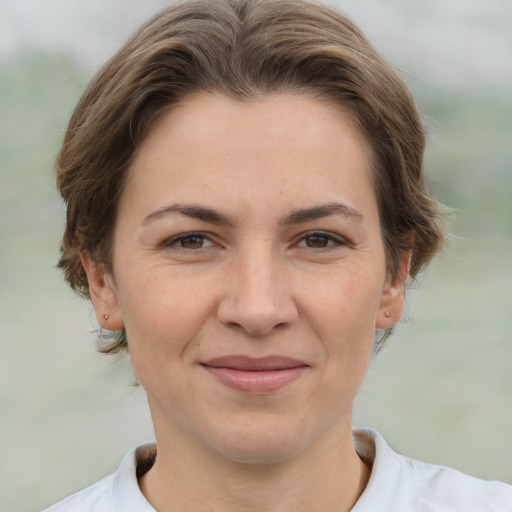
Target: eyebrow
[190,210]
[295,217]
[318,212]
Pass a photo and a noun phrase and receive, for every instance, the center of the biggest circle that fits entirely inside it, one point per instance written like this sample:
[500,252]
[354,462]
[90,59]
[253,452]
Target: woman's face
[249,273]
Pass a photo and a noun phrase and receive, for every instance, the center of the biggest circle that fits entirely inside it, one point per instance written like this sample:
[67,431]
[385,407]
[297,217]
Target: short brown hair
[244,49]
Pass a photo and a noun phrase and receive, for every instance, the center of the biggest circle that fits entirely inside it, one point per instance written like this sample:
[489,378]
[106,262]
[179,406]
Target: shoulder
[95,498]
[119,492]
[446,489]
[401,483]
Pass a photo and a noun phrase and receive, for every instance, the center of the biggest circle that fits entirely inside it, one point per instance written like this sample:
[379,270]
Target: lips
[255,375]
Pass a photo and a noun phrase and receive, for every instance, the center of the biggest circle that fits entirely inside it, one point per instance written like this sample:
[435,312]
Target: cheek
[343,315]
[162,314]
[345,300]
[347,323]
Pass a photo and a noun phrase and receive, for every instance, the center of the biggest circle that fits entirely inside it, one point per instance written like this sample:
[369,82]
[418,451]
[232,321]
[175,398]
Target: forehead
[285,146]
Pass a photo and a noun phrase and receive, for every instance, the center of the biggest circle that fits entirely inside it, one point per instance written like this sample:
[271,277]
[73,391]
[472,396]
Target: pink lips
[255,375]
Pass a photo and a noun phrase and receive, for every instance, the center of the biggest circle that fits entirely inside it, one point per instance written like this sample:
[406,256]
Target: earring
[387,314]
[106,317]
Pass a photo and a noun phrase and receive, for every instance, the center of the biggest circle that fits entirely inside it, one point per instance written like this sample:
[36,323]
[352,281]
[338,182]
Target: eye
[320,240]
[317,241]
[189,241]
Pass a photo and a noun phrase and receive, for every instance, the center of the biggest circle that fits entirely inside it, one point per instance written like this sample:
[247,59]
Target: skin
[255,278]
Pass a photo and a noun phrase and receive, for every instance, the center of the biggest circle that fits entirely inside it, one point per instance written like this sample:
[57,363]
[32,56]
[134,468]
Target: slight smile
[255,375]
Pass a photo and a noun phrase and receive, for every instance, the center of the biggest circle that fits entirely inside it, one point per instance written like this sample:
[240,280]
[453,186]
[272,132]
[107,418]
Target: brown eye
[188,241]
[321,240]
[317,241]
[192,242]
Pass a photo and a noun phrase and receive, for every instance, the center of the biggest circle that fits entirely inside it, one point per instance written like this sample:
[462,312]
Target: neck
[327,476]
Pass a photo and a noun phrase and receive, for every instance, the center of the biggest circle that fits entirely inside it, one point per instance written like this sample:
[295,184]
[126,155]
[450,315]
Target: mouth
[256,376]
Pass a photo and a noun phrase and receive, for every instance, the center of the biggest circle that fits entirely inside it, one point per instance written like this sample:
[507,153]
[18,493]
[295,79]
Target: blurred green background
[441,390]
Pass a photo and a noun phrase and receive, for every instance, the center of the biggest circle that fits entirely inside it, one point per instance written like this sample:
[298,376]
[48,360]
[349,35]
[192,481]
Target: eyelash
[337,241]
[175,240]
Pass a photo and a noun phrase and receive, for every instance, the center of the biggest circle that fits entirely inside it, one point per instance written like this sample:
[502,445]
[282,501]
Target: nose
[258,297]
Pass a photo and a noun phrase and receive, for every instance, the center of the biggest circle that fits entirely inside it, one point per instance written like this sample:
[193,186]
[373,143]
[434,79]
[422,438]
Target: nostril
[257,307]
[255,329]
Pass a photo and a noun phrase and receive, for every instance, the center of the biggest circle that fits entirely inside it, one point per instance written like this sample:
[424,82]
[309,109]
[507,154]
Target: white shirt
[397,484]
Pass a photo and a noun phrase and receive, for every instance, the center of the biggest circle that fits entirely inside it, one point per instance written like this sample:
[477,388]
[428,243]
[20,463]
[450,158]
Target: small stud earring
[106,317]
[387,314]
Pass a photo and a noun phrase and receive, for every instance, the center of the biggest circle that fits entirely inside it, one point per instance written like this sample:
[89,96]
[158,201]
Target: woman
[246,203]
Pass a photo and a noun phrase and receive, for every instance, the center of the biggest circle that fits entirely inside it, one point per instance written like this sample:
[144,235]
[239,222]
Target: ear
[393,296]
[103,294]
